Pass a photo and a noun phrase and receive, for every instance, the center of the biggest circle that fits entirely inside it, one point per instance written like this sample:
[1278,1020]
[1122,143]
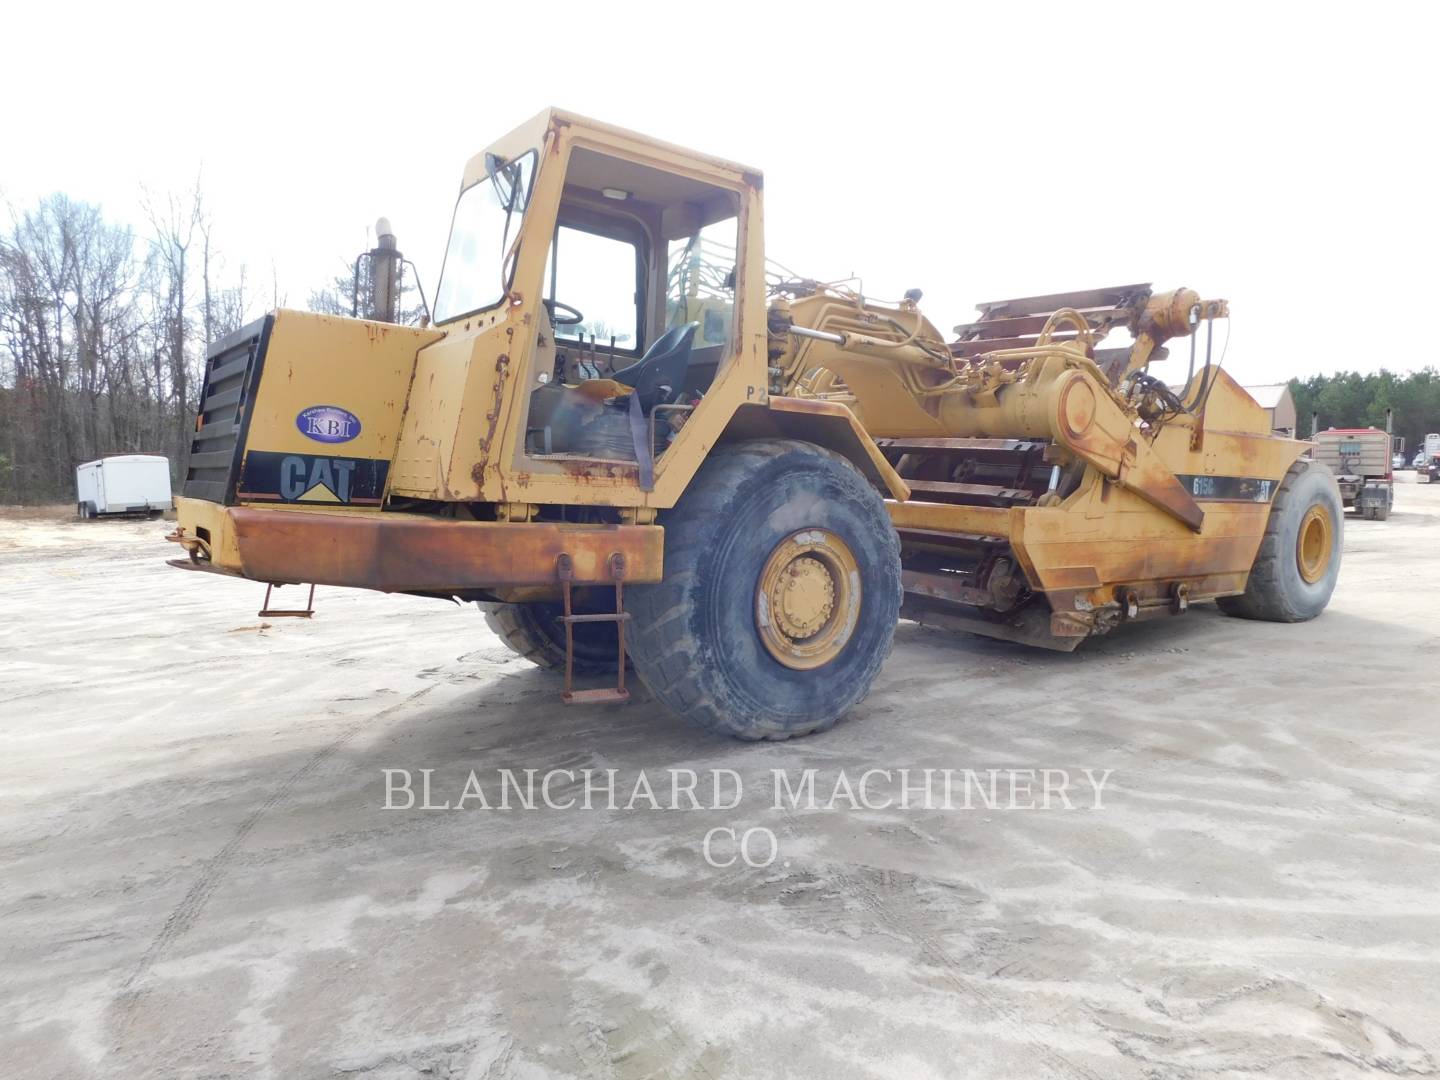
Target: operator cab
[575,250]
[639,292]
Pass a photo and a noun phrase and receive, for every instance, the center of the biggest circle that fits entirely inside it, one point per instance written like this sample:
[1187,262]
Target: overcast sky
[1281,156]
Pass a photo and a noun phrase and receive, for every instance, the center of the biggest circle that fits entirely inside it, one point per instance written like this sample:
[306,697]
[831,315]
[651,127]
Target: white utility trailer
[136,484]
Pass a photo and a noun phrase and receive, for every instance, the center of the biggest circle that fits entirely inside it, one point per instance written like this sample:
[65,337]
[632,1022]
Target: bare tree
[224,309]
[64,279]
[99,349]
[103,336]
[173,231]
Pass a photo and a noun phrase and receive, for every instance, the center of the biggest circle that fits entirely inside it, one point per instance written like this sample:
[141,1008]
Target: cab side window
[700,282]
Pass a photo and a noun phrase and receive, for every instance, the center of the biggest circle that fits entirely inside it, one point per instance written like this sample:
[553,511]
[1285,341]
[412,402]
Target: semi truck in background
[133,484]
[1360,459]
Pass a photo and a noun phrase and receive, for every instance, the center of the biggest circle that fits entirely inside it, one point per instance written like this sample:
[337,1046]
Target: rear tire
[1298,562]
[534,631]
[780,596]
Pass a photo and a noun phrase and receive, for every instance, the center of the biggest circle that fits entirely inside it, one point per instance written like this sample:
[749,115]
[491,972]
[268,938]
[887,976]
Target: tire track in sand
[896,918]
[183,917]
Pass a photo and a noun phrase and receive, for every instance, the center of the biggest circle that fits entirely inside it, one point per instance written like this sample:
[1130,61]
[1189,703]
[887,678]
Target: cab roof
[531,136]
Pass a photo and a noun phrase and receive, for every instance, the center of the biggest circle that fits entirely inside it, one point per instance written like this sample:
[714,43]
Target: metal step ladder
[605,695]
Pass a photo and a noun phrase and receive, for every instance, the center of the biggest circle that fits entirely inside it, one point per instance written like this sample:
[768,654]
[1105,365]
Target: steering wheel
[573,317]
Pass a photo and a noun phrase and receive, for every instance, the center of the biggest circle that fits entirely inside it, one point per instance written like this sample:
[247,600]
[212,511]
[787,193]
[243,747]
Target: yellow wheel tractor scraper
[632,447]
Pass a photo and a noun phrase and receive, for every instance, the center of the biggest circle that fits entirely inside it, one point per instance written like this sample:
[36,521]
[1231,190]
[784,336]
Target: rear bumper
[1363,493]
[394,552]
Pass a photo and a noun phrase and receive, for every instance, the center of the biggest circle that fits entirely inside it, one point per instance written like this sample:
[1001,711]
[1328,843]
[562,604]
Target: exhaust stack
[377,288]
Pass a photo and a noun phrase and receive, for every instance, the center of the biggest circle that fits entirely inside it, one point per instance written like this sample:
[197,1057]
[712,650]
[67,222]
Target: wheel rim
[1313,543]
[807,602]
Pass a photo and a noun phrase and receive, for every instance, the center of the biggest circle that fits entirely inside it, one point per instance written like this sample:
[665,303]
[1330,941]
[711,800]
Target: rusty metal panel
[944,517]
[1090,423]
[978,346]
[1027,627]
[991,448]
[415,553]
[1130,544]
[1030,325]
[352,367]
[835,415]
[968,491]
[1114,296]
[943,587]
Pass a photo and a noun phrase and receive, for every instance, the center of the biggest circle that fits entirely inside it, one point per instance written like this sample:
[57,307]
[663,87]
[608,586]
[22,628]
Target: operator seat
[659,375]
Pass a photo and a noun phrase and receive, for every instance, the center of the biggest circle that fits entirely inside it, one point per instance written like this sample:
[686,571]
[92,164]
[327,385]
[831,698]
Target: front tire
[1299,558]
[780,596]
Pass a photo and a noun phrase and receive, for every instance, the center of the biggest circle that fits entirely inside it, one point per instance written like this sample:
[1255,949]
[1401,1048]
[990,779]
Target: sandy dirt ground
[199,877]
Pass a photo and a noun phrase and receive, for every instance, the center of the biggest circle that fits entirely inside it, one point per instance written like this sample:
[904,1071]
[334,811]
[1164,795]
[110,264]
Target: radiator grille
[232,374]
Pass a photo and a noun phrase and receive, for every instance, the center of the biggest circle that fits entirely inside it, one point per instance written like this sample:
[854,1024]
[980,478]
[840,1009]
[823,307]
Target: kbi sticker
[328,424]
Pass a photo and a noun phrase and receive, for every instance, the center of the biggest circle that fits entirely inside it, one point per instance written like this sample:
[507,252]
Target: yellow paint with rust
[449,406]
[464,429]
[211,524]
[808,598]
[1107,534]
[208,524]
[361,366]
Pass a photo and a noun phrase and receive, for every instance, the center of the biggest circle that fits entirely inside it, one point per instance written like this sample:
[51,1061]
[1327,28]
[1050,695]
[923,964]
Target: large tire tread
[669,656]
[1267,597]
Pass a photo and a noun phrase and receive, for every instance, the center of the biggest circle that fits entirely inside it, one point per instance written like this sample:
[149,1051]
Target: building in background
[1275,398]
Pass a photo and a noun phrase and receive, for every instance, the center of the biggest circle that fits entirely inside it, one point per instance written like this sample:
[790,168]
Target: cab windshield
[487,217]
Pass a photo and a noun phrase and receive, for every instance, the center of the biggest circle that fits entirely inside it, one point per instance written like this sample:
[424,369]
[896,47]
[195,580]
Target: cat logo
[315,479]
[312,478]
